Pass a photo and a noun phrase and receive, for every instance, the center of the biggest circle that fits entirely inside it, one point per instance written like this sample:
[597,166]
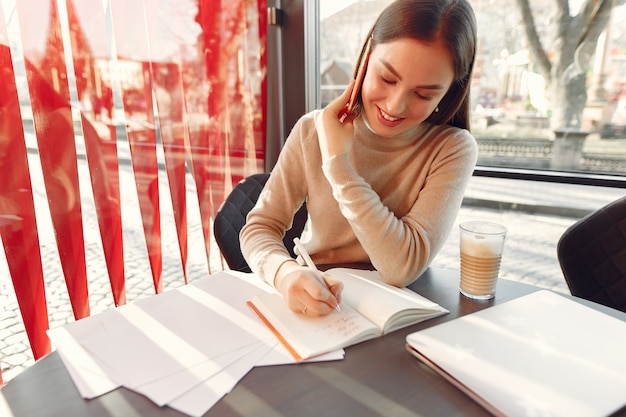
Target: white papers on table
[185,348]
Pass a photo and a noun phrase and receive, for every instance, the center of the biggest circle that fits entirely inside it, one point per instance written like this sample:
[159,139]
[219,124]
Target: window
[514,117]
[123,126]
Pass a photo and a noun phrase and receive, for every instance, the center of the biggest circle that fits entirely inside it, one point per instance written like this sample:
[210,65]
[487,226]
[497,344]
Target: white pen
[309,262]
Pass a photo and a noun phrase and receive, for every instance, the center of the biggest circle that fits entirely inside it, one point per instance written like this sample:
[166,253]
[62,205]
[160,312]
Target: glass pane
[517,118]
[123,126]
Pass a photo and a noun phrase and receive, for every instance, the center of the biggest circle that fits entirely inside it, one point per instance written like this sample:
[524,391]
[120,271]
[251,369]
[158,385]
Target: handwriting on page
[337,328]
[346,326]
[310,336]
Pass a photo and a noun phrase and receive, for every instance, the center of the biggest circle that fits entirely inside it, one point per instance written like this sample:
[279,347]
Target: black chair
[592,255]
[231,217]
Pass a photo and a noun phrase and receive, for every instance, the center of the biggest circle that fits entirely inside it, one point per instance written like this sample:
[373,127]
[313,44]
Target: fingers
[333,131]
[306,293]
[345,96]
[335,287]
[340,102]
[318,297]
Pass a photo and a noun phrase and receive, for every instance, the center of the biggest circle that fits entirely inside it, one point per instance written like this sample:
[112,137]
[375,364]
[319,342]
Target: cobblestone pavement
[530,251]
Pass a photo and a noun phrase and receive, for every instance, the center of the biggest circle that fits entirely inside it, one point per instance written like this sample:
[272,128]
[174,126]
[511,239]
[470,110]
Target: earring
[437,109]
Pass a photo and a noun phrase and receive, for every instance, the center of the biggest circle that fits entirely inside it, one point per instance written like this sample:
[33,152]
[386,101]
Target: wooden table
[376,378]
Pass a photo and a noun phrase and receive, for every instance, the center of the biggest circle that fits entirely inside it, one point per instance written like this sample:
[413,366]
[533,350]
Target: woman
[384,186]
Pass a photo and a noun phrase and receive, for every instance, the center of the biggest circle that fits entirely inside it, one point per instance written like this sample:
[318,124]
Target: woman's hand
[335,138]
[304,292]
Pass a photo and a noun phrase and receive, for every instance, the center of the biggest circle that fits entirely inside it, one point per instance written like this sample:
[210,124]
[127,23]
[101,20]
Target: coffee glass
[481,246]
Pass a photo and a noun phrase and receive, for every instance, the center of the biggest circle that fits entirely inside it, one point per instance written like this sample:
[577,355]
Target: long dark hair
[451,21]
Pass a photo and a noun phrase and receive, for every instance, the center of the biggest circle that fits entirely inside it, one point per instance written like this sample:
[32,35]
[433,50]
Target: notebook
[369,308]
[539,355]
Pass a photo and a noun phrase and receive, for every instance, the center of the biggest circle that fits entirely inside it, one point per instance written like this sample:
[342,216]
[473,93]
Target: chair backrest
[231,217]
[592,255]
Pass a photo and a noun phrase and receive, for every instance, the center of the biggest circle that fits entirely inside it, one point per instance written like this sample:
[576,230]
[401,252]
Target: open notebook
[369,308]
[539,355]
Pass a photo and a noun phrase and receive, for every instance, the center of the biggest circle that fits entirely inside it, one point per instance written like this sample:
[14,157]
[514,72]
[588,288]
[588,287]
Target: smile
[386,116]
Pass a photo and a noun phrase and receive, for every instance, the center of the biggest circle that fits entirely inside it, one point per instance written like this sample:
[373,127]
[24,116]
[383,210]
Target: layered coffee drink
[481,248]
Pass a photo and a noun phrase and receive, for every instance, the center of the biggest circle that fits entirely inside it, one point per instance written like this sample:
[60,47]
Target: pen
[309,262]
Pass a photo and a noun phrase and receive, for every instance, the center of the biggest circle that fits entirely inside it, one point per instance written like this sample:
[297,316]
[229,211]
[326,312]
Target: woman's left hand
[335,137]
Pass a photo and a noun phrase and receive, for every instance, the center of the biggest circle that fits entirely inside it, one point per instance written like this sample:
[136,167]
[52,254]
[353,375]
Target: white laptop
[539,355]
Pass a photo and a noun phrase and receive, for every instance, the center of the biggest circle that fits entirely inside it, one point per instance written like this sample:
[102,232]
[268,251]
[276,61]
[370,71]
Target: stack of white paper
[185,348]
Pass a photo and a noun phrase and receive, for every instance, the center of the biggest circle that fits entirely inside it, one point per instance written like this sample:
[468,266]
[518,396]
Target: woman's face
[404,83]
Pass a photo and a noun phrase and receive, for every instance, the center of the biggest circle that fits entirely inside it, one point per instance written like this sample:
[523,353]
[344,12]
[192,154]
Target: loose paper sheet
[185,348]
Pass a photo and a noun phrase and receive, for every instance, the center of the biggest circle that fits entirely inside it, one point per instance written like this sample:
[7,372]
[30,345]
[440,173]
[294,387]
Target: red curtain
[181,79]
[18,225]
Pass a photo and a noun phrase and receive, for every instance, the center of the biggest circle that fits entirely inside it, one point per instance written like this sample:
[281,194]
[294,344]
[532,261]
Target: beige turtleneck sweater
[391,202]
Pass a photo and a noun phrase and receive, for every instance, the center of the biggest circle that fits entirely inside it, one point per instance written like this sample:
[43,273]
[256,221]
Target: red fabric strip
[134,54]
[18,226]
[91,66]
[49,94]
[167,86]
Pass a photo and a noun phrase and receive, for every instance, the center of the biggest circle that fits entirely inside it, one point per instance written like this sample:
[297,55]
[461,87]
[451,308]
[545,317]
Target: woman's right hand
[304,292]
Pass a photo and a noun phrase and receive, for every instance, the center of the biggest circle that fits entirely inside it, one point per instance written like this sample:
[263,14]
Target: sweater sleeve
[261,238]
[401,248]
